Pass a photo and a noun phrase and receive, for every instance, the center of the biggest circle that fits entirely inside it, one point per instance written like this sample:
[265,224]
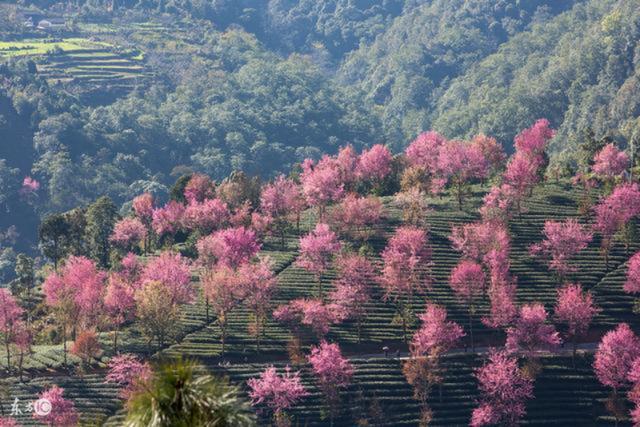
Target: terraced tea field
[380,396]
[80,60]
[564,396]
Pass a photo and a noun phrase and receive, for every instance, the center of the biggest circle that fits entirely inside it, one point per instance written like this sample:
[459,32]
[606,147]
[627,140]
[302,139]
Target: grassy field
[44,46]
[81,60]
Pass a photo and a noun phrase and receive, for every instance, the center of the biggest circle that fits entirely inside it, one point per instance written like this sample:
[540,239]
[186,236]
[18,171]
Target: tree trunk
[64,343]
[473,348]
[257,333]
[223,336]
[8,350]
[115,341]
[20,363]
[404,327]
[319,282]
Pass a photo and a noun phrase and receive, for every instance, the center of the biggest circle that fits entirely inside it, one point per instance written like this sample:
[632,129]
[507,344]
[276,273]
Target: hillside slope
[580,69]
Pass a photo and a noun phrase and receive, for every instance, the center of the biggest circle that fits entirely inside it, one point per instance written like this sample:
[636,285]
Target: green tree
[177,189]
[52,233]
[101,217]
[75,240]
[24,282]
[179,395]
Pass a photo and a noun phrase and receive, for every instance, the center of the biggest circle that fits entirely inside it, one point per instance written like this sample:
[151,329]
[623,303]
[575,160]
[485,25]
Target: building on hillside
[51,24]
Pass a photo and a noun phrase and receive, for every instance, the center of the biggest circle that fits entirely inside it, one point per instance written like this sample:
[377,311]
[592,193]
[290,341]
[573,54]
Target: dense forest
[258,86]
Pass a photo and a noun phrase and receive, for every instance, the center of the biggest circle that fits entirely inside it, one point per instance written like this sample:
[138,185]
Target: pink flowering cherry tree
[491,150]
[259,284]
[521,176]
[632,284]
[374,165]
[76,295]
[173,271]
[616,352]
[562,241]
[321,183]
[497,204]
[63,412]
[468,282]
[332,371]
[406,269]
[10,321]
[277,392]
[575,309]
[504,390]
[422,152]
[352,288]
[610,162]
[317,249]
[167,221]
[459,162]
[634,394]
[531,333]
[206,216]
[614,214]
[230,247]
[282,201]
[119,303]
[357,216]
[198,189]
[128,233]
[128,372]
[312,313]
[436,335]
[143,207]
[347,161]
[224,293]
[613,361]
[414,205]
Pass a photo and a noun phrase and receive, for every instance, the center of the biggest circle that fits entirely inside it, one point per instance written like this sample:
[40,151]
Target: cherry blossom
[531,333]
[504,390]
[610,162]
[128,232]
[576,310]
[230,247]
[436,335]
[374,163]
[277,392]
[128,372]
[198,189]
[316,251]
[616,352]
[321,183]
[63,412]
[423,151]
[168,220]
[358,215]
[468,282]
[632,284]
[143,207]
[173,272]
[562,241]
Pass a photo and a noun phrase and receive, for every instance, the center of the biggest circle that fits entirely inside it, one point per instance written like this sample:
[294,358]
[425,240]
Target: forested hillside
[128,95]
